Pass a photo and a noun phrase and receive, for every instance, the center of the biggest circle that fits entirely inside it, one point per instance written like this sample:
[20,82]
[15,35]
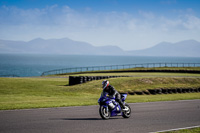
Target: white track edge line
[176,129]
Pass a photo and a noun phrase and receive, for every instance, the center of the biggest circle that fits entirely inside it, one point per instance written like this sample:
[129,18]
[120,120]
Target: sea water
[26,65]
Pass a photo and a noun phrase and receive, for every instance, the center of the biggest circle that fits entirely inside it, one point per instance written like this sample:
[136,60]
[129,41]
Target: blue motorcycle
[109,107]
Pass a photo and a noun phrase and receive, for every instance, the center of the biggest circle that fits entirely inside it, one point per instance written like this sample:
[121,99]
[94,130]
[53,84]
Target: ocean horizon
[28,65]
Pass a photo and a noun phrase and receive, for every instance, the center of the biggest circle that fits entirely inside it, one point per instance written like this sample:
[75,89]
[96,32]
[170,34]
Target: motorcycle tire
[103,113]
[127,114]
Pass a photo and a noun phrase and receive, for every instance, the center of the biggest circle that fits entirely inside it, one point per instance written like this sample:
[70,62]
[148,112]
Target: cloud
[192,22]
[126,30]
[147,15]
[182,23]
[17,16]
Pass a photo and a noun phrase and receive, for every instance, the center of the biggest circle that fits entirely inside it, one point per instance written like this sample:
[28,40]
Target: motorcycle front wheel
[104,112]
[127,114]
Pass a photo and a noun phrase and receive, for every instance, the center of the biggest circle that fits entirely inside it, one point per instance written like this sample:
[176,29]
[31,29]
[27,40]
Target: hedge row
[73,80]
[164,91]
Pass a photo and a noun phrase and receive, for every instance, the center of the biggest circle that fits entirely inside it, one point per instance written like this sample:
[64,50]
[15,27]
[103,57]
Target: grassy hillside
[20,93]
[139,69]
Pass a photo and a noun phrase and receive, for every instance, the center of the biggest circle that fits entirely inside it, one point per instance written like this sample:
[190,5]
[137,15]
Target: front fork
[106,109]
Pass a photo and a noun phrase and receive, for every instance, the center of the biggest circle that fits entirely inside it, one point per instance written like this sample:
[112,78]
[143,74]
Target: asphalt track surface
[146,117]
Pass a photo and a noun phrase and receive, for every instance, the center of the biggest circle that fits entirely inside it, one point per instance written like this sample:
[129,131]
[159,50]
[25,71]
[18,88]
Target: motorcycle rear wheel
[127,114]
[104,113]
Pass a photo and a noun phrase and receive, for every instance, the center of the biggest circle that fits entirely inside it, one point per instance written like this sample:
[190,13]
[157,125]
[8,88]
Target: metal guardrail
[117,67]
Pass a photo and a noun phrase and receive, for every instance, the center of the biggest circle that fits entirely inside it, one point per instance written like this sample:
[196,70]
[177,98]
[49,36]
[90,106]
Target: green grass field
[122,71]
[23,93]
[139,74]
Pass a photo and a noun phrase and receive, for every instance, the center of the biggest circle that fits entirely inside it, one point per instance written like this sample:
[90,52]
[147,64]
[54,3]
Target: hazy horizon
[130,24]
[99,46]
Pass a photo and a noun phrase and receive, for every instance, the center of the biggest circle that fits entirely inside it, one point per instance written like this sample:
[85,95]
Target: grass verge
[23,93]
[192,130]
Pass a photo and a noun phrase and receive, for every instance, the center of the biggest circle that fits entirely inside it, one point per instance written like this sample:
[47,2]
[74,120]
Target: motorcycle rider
[112,92]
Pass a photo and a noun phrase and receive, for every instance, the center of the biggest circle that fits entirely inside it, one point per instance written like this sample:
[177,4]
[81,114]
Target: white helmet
[105,84]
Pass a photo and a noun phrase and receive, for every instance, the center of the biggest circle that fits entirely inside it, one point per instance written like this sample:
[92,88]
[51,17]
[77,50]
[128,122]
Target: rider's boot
[124,108]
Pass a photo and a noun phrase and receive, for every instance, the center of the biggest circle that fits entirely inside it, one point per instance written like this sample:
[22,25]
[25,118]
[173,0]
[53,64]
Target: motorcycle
[109,107]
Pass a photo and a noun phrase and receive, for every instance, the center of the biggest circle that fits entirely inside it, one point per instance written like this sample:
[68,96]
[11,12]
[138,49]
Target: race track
[146,117]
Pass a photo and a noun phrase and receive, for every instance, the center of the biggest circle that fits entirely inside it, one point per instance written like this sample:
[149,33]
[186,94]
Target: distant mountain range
[57,46]
[188,48]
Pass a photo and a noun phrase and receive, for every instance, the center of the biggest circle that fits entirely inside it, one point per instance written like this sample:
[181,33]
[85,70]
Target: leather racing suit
[112,92]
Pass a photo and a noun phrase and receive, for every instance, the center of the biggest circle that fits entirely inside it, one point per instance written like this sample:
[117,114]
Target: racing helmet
[105,84]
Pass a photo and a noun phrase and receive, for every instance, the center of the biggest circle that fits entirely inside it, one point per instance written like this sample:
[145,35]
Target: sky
[128,24]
